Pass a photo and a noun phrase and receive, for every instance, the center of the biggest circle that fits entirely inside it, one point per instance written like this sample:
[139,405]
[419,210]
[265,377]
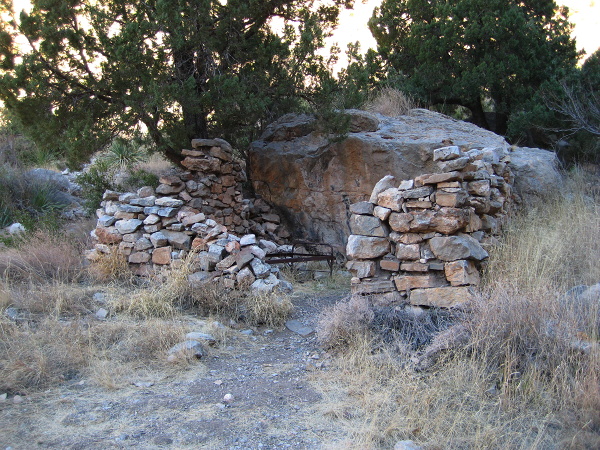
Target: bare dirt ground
[275,404]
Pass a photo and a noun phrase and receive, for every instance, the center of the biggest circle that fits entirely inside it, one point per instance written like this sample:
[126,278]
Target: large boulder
[313,179]
[536,174]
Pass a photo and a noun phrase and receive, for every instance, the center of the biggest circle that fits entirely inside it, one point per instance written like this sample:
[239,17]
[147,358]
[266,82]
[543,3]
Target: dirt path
[268,373]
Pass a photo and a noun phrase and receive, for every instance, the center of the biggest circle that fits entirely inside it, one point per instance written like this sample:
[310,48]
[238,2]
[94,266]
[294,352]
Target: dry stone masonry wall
[201,210]
[423,240]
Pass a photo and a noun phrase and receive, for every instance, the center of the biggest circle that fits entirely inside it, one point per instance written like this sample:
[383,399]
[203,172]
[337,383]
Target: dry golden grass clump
[390,102]
[528,375]
[111,267]
[33,357]
[271,309]
[43,256]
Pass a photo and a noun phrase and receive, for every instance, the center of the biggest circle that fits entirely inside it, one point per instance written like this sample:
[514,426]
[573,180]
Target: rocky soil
[272,402]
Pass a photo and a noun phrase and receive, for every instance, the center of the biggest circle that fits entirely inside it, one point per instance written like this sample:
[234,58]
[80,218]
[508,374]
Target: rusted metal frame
[293,256]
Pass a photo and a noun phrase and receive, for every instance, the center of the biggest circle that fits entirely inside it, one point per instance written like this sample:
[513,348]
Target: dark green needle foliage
[173,70]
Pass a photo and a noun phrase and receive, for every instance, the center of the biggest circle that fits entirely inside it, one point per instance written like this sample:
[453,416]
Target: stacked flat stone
[155,233]
[422,240]
[213,186]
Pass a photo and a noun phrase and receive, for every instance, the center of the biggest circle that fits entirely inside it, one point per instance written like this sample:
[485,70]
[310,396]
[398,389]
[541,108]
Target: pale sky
[584,14]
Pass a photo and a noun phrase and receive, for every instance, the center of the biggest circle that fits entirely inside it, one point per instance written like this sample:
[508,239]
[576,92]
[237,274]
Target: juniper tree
[478,54]
[76,73]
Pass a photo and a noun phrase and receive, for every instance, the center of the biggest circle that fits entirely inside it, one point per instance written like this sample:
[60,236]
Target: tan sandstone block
[441,297]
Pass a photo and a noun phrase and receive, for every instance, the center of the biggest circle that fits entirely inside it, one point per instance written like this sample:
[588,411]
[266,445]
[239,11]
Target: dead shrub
[345,322]
[390,102]
[270,309]
[408,330]
[43,257]
[37,355]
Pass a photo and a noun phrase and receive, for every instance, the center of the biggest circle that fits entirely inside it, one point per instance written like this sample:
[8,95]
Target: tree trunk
[194,120]
[478,115]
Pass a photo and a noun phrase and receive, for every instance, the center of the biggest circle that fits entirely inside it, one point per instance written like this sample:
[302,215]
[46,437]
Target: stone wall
[201,210]
[423,240]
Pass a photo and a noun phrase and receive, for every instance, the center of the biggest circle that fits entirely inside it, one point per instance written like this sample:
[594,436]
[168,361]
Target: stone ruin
[423,240]
[198,210]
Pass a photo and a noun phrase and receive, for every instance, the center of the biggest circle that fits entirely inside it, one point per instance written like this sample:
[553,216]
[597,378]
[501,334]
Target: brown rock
[400,222]
[162,255]
[381,213]
[414,267]
[170,180]
[391,198]
[419,192]
[167,189]
[441,297]
[437,178]
[108,235]
[451,199]
[366,287]
[461,273]
[430,280]
[204,165]
[226,262]
[232,247]
[244,257]
[220,153]
[455,164]
[453,248]
[420,204]
[391,265]
[480,188]
[199,244]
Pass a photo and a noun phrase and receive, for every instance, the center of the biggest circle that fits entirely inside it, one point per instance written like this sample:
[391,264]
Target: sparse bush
[271,309]
[34,203]
[345,322]
[390,102]
[35,356]
[411,330]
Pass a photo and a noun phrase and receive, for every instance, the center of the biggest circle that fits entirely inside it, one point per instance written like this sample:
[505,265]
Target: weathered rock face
[313,181]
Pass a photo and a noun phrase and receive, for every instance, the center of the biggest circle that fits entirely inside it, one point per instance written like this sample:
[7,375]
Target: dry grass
[345,323]
[111,267]
[43,257]
[390,102]
[529,375]
[271,309]
[37,355]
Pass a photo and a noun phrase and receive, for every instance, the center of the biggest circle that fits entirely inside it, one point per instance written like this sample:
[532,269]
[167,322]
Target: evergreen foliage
[173,69]
[483,55]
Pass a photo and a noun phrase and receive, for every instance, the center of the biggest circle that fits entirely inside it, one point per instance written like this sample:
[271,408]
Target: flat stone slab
[299,328]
